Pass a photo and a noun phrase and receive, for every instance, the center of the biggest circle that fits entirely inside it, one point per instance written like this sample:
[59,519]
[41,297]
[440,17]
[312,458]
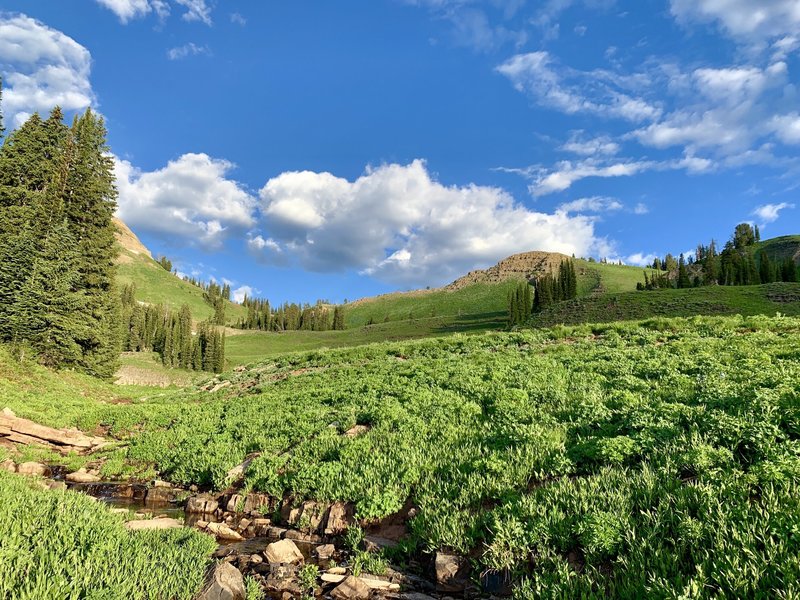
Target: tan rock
[331,578]
[33,468]
[380,584]
[8,465]
[147,524]
[351,588]
[336,571]
[225,582]
[340,517]
[223,532]
[201,505]
[452,572]
[284,551]
[325,552]
[82,476]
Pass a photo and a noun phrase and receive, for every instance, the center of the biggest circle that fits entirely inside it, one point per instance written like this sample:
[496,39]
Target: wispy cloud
[769,213]
[190,49]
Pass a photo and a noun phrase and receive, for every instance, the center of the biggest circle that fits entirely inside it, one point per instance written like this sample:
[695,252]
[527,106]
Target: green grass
[767,299]
[488,300]
[61,545]
[154,285]
[146,369]
[782,247]
[252,346]
[652,459]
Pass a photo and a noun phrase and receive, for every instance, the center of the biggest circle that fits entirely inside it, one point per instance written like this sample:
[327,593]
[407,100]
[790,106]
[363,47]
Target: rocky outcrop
[452,572]
[524,266]
[24,431]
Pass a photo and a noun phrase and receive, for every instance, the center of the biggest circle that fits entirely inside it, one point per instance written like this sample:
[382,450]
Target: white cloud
[196,10]
[395,222]
[640,209]
[570,91]
[238,19]
[768,213]
[752,19]
[242,291]
[591,204]
[190,49]
[602,145]
[724,110]
[786,127]
[41,68]
[127,10]
[190,198]
[640,259]
[565,173]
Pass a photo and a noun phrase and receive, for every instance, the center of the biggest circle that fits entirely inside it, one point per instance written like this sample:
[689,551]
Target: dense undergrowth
[60,545]
[652,459]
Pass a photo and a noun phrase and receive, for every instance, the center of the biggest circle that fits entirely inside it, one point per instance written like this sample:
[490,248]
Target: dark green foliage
[683,274]
[287,317]
[520,304]
[553,288]
[338,318]
[165,263]
[57,198]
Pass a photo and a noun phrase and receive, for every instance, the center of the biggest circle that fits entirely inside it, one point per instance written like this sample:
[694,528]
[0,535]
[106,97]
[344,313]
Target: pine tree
[338,318]
[683,274]
[90,201]
[765,271]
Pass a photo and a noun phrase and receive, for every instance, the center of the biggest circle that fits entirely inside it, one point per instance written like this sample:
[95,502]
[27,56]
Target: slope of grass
[767,299]
[61,544]
[780,248]
[154,285]
[652,459]
[251,346]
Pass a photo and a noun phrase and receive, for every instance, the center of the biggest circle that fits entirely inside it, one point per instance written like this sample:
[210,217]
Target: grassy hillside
[155,285]
[780,248]
[485,299]
[631,460]
[250,346]
[768,299]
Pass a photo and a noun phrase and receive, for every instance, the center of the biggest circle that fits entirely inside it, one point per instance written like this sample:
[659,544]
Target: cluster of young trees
[165,263]
[216,295]
[547,289]
[739,263]
[556,287]
[290,317]
[57,277]
[520,304]
[155,328]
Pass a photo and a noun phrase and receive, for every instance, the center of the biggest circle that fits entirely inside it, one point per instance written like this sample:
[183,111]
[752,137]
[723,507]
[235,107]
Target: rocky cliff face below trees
[128,241]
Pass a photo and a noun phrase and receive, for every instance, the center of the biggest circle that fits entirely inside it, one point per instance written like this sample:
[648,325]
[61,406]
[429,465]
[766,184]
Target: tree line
[156,328]
[58,298]
[547,289]
[740,262]
[290,316]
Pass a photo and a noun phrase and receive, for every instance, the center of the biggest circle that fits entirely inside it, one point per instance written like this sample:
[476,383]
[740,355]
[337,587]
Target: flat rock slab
[149,524]
[284,551]
[82,476]
[223,532]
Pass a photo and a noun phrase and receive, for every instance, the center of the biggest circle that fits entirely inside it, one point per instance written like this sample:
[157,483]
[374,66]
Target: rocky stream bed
[291,549]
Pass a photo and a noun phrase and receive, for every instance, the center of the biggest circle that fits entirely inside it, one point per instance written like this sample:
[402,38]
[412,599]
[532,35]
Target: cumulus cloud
[190,49]
[599,92]
[742,18]
[191,198]
[397,223]
[128,10]
[768,213]
[41,68]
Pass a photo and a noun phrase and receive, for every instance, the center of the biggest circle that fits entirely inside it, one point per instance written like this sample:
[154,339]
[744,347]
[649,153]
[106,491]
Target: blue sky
[319,149]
